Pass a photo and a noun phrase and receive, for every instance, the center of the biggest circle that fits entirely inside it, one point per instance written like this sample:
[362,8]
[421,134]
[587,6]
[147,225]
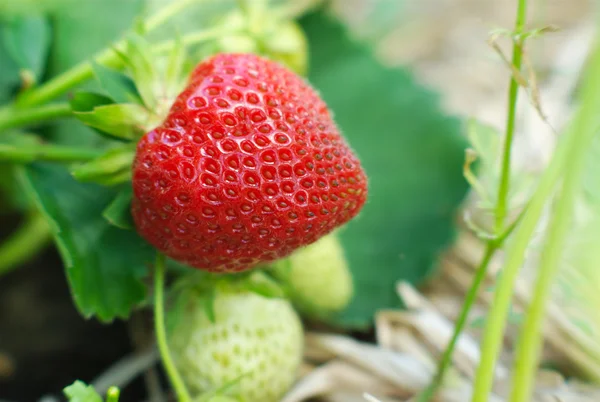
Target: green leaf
[84,101]
[118,86]
[125,121]
[105,265]
[81,392]
[80,29]
[113,163]
[174,72]
[118,213]
[486,142]
[141,64]
[412,154]
[27,41]
[19,52]
[9,79]
[28,7]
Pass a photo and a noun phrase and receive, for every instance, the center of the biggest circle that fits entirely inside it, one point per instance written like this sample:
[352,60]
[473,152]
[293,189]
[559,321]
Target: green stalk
[161,333]
[83,71]
[515,256]
[24,243]
[500,210]
[23,113]
[470,299]
[60,84]
[513,92]
[13,117]
[530,340]
[491,247]
[49,153]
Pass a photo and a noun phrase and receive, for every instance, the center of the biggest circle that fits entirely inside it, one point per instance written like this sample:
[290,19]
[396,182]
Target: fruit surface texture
[254,342]
[247,167]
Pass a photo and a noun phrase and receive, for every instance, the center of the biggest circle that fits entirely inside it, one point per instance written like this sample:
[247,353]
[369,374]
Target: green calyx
[135,101]
[317,277]
[109,169]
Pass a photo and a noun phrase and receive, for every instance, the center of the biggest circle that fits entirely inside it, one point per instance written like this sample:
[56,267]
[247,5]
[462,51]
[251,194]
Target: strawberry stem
[14,117]
[500,211]
[82,72]
[515,256]
[107,57]
[60,84]
[492,246]
[161,333]
[513,93]
[49,153]
[470,298]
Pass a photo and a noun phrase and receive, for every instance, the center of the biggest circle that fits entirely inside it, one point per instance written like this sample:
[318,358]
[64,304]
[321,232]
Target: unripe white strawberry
[254,339]
[317,277]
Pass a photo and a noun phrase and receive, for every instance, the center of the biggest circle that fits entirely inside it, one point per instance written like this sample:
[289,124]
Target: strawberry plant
[228,167]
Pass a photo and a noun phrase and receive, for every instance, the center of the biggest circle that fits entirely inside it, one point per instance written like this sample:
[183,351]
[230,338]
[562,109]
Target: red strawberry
[247,167]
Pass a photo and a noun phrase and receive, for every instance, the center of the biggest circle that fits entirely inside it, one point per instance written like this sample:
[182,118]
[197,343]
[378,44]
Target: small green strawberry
[253,340]
[317,277]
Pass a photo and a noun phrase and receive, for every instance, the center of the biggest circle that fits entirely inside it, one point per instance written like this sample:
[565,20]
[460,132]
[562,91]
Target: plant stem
[22,112]
[496,322]
[60,84]
[161,334]
[24,243]
[13,117]
[83,71]
[583,131]
[500,210]
[49,153]
[470,299]
[108,58]
[513,92]
[491,247]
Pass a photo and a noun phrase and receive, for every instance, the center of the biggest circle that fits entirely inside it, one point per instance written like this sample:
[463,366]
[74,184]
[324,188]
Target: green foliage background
[412,153]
